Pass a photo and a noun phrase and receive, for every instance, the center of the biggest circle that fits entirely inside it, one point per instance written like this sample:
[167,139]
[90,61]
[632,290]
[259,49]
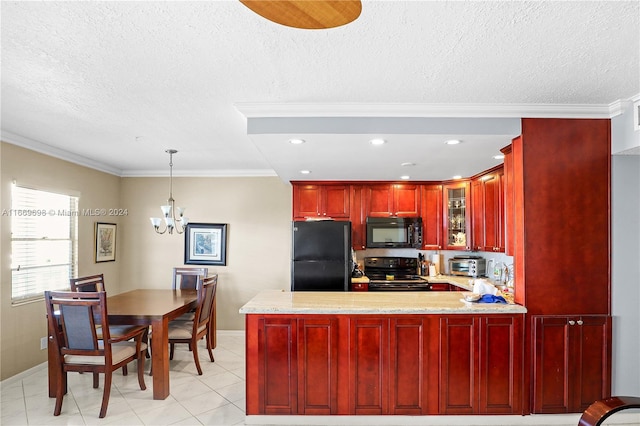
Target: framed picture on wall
[105,242]
[205,244]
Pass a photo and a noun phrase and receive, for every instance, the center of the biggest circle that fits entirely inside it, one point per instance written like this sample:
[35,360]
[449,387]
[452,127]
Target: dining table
[147,307]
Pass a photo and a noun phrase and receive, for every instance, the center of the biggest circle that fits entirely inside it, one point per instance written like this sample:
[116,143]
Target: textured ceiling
[113,84]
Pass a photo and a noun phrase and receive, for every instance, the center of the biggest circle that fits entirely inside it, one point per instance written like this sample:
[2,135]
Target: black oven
[394,274]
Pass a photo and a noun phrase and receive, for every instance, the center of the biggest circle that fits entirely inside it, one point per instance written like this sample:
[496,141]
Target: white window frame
[30,279]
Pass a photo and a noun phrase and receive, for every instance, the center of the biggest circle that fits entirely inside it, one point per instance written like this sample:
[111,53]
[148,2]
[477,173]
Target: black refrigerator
[321,256]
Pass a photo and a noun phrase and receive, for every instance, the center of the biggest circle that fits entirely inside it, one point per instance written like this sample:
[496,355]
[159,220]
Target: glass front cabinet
[456,216]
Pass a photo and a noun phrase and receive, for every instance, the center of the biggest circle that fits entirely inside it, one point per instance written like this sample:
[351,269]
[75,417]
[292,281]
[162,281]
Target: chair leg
[96,380]
[62,380]
[141,360]
[171,347]
[209,349]
[106,393]
[124,370]
[195,357]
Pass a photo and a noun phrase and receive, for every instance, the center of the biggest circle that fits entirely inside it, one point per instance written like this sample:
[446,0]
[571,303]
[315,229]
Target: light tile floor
[215,398]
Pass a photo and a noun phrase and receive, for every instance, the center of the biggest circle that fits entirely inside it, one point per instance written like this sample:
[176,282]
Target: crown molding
[200,173]
[278,110]
[61,154]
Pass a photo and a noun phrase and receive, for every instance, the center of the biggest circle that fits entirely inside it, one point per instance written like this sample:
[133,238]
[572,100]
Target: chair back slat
[188,278]
[91,283]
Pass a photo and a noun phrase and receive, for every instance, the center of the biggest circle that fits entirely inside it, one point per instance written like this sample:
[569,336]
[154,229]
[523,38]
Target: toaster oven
[468,266]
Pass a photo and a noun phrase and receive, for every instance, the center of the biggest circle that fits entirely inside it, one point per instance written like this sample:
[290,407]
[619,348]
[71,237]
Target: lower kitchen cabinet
[572,362]
[386,364]
[481,364]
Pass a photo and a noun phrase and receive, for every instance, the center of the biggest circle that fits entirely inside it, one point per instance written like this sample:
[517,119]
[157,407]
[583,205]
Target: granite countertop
[418,302]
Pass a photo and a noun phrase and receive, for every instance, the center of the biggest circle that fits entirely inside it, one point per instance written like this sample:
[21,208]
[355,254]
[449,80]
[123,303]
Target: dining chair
[71,318]
[96,283]
[190,332]
[187,278]
[88,283]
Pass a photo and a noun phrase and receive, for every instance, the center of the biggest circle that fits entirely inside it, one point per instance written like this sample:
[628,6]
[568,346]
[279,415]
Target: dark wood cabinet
[318,366]
[571,366]
[369,351]
[317,201]
[402,200]
[358,218]
[487,200]
[456,216]
[277,366]
[431,213]
[409,366]
[384,364]
[481,364]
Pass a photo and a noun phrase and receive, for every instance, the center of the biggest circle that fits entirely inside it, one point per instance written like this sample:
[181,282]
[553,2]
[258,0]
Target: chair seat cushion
[182,329]
[119,352]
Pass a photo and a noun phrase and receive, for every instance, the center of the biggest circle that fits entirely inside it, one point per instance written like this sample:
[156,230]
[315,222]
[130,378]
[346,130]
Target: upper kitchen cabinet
[320,201]
[401,200]
[431,213]
[487,212]
[456,216]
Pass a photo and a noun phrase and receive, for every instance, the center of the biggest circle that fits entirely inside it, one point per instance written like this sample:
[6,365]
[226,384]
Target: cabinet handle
[572,322]
[580,322]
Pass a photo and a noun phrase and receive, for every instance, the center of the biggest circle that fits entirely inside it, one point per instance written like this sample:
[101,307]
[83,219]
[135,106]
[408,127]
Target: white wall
[623,136]
[625,200]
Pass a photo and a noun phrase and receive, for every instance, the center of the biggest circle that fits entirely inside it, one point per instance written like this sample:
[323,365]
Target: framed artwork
[105,242]
[205,244]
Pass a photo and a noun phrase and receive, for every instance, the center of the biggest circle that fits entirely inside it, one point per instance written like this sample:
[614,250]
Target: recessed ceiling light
[377,141]
[296,141]
[305,172]
[457,177]
[498,157]
[408,164]
[453,142]
[405,177]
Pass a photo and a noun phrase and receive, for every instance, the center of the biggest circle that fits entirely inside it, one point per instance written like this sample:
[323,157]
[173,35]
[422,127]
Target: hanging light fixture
[169,210]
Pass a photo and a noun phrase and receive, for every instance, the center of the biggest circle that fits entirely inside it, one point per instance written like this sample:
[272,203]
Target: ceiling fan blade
[307,14]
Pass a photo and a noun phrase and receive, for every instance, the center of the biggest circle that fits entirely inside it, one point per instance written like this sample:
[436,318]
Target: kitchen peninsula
[406,353]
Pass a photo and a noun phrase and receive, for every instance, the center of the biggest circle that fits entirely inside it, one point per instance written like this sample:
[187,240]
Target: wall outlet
[43,343]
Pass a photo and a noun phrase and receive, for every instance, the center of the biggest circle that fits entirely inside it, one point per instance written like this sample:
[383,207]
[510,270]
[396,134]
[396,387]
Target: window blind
[44,228]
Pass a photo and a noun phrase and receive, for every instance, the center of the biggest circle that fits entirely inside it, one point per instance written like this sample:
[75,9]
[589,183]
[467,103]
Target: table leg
[160,358]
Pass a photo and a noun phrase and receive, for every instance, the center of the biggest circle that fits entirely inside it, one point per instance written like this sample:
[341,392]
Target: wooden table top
[149,303]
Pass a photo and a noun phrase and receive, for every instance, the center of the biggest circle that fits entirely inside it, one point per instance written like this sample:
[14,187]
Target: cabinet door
[431,213]
[501,364]
[409,359]
[406,200]
[458,365]
[306,201]
[318,366]
[590,343]
[369,373]
[456,218]
[277,369]
[335,201]
[551,365]
[379,200]
[572,362]
[487,202]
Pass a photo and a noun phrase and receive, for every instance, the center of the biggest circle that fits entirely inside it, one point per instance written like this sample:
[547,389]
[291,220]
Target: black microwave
[394,232]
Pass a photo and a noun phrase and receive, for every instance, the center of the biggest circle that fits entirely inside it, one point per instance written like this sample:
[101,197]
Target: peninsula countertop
[323,302]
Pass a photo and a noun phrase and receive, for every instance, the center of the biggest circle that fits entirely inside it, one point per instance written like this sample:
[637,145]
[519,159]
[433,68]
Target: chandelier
[169,210]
